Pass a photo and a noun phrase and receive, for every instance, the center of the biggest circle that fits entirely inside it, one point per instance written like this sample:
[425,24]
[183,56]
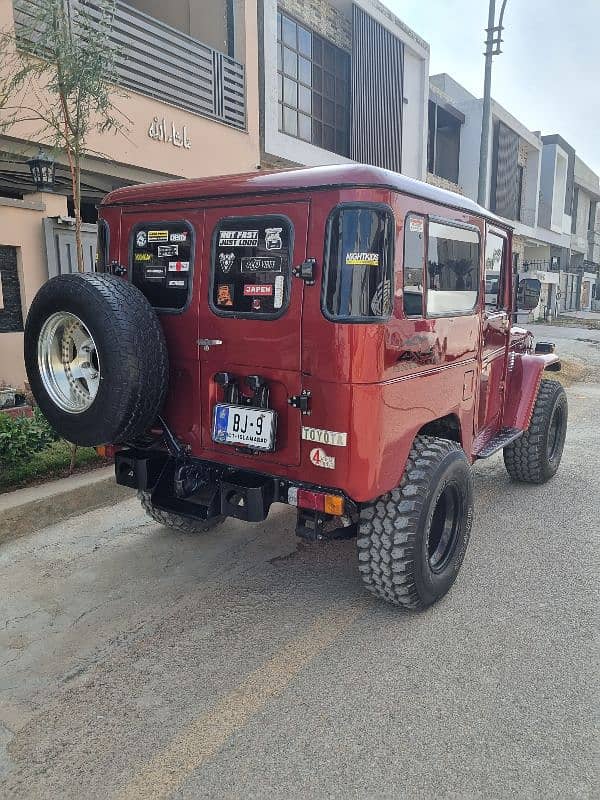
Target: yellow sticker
[158,236]
[143,257]
[362,259]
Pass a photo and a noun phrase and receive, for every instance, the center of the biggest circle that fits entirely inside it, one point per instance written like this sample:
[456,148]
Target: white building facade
[323,99]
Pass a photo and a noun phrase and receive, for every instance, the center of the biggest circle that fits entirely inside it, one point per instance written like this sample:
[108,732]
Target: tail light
[316,501]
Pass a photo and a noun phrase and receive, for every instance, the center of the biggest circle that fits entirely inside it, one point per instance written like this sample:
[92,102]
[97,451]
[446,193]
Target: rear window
[359,262]
[251,266]
[162,262]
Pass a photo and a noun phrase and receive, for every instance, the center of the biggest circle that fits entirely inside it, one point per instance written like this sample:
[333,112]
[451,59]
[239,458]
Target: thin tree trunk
[77,205]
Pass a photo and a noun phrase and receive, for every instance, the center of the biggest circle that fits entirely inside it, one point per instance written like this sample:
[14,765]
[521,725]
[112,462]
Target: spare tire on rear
[96,358]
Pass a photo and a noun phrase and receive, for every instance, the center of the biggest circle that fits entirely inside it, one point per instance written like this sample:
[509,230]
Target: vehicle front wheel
[176,521]
[535,456]
[412,540]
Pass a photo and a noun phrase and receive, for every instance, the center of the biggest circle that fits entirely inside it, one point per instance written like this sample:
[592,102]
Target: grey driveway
[138,663]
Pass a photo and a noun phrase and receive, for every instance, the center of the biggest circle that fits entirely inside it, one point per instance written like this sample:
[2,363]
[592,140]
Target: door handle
[208,343]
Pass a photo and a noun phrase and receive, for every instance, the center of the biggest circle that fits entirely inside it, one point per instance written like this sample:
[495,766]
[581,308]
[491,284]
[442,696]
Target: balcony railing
[159,61]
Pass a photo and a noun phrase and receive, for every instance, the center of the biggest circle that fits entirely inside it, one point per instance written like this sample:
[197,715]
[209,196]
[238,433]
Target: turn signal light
[316,501]
[106,450]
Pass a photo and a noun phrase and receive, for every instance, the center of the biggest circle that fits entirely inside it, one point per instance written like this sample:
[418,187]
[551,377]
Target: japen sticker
[178,237]
[238,239]
[261,264]
[362,259]
[158,236]
[179,266]
[416,225]
[260,289]
[278,298]
[168,250]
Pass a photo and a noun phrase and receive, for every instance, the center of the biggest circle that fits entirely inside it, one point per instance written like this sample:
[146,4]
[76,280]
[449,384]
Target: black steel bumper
[199,489]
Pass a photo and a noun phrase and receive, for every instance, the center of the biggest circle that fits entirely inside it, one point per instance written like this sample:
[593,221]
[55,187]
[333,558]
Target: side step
[500,440]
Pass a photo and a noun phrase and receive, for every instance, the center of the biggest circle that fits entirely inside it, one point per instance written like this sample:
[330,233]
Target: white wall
[414,122]
[416,91]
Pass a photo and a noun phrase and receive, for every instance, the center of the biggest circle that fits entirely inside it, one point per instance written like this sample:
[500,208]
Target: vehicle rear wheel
[96,358]
[412,540]
[176,521]
[535,456]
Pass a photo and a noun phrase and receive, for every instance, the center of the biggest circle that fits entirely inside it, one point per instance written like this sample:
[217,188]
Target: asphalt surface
[141,663]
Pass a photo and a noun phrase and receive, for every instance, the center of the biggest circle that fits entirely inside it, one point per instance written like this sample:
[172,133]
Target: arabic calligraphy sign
[160,132]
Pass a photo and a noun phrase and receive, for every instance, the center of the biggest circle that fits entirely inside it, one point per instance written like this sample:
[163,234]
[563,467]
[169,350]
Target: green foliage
[22,436]
[52,462]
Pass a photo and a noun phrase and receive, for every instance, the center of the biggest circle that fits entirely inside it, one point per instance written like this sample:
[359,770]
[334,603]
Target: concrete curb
[26,510]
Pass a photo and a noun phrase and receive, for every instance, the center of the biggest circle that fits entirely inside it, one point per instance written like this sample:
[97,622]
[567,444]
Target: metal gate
[61,250]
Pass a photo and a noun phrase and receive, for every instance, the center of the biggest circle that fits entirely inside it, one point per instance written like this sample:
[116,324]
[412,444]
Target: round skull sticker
[141,239]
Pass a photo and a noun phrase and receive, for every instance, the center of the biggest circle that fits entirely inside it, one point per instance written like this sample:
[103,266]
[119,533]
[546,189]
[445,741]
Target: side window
[359,261]
[452,269]
[494,259]
[251,266]
[414,265]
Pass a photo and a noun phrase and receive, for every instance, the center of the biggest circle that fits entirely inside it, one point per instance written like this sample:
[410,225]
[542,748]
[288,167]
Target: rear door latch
[301,401]
[306,271]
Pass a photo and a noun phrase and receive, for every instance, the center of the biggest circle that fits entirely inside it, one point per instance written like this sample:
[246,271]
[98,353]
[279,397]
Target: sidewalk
[26,510]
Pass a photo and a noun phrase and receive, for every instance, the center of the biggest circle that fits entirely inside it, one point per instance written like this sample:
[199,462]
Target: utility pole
[492,48]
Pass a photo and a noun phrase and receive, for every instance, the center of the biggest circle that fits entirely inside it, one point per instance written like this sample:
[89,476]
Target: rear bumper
[204,490]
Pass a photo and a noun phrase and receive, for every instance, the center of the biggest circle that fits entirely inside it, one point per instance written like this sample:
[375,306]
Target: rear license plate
[245,425]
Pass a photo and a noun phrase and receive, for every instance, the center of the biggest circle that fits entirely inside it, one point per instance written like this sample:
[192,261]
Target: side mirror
[528,294]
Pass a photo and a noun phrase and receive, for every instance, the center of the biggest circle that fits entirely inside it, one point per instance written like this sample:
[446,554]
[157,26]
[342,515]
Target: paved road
[579,343]
[138,663]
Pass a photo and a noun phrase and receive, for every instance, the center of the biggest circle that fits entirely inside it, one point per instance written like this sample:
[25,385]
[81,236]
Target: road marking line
[202,738]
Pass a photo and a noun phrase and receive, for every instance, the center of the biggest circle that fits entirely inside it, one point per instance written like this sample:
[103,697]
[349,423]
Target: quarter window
[359,264]
[494,252]
[413,267]
[452,269]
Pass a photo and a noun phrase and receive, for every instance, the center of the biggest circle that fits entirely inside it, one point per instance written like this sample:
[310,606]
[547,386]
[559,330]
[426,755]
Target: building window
[312,75]
[443,144]
[592,216]
[520,174]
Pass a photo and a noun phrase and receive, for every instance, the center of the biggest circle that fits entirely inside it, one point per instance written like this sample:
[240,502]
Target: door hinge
[301,401]
[306,271]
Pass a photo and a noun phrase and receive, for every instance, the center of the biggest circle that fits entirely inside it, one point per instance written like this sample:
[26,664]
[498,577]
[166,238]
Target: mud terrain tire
[535,456]
[175,521]
[412,541]
[112,319]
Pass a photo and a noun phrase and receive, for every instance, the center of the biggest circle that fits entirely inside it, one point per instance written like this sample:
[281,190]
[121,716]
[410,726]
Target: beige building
[216,88]
[192,110]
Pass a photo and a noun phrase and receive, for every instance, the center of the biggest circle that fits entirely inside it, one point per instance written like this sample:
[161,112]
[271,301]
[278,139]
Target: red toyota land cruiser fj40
[321,337]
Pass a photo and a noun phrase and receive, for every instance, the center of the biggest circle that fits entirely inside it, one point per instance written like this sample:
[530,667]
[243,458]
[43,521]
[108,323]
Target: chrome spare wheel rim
[68,362]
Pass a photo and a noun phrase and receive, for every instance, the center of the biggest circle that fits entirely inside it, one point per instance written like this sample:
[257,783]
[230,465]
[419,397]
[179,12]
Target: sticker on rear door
[158,236]
[238,239]
[260,289]
[278,299]
[319,458]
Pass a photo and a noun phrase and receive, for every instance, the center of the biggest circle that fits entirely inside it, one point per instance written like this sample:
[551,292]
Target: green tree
[57,69]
